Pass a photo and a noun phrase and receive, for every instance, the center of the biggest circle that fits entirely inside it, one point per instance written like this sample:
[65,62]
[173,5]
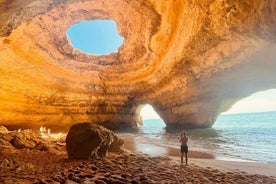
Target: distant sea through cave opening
[262,101]
[251,118]
[152,122]
[147,112]
[98,37]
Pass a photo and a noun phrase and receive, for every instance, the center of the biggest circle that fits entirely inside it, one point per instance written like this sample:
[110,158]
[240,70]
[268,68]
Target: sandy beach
[202,159]
[154,165]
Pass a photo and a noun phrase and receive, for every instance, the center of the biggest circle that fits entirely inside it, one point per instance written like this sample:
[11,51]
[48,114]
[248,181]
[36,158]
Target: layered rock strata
[191,60]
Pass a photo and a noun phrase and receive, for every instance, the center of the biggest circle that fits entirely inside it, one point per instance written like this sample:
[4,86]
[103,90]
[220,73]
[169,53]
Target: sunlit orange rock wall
[191,60]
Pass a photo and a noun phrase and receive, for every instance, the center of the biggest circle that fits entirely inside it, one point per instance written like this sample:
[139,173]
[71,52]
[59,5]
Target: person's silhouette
[184,147]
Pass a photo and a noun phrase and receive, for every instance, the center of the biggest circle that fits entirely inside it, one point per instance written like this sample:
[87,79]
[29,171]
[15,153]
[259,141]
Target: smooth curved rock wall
[191,60]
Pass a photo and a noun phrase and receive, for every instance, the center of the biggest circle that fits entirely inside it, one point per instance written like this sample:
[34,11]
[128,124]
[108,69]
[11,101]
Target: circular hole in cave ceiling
[99,37]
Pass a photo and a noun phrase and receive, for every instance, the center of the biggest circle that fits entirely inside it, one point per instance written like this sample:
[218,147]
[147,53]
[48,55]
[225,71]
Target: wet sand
[155,150]
[202,159]
[130,166]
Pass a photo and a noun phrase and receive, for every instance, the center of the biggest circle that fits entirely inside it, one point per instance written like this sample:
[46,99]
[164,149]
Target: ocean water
[240,137]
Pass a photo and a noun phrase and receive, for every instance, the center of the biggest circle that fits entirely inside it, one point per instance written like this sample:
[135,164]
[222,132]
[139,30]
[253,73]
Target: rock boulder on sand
[26,139]
[88,140]
[5,138]
[3,129]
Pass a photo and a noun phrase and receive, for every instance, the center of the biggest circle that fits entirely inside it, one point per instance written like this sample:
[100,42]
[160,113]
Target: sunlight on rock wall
[190,60]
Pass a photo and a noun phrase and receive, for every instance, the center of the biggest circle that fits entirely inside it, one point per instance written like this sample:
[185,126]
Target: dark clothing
[184,148]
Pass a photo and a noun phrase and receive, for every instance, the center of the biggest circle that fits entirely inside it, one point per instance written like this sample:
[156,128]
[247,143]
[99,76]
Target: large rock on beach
[88,140]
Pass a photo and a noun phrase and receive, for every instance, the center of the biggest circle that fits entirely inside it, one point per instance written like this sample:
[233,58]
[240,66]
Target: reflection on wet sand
[155,150]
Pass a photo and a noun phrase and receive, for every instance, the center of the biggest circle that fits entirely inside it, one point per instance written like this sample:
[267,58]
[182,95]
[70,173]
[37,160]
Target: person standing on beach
[184,147]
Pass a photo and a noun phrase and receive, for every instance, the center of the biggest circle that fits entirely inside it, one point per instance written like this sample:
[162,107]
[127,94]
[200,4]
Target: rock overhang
[182,57]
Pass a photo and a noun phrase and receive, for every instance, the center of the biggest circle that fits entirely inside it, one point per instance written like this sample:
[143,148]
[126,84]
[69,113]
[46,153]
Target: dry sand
[34,166]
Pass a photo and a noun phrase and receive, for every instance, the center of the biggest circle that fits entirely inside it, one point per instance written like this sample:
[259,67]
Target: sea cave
[190,60]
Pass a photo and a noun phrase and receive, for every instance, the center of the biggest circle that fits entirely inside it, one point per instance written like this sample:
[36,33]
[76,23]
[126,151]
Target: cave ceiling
[191,60]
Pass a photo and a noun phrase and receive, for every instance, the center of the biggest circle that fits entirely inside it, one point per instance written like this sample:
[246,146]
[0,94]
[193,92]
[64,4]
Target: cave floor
[35,166]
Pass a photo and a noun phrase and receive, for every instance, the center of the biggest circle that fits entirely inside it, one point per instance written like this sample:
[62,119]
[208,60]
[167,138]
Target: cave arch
[257,103]
[191,71]
[152,123]
[262,101]
[148,112]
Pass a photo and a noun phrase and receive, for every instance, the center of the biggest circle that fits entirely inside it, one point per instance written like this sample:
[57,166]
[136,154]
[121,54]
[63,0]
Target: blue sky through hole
[95,37]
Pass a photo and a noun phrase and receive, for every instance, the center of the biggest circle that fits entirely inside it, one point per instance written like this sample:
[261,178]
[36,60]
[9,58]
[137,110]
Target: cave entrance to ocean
[247,130]
[262,101]
[98,37]
[248,110]
[152,123]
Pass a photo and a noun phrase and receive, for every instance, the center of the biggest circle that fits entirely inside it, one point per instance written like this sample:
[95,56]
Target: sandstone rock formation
[191,60]
[89,140]
[26,139]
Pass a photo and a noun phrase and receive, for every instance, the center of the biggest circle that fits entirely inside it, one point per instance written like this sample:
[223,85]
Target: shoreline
[156,150]
[197,158]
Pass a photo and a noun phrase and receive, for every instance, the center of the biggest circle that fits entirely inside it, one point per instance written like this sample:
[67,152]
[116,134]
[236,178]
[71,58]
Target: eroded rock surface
[191,60]
[26,139]
[89,140]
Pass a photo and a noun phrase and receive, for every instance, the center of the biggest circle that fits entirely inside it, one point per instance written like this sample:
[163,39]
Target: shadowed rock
[87,140]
